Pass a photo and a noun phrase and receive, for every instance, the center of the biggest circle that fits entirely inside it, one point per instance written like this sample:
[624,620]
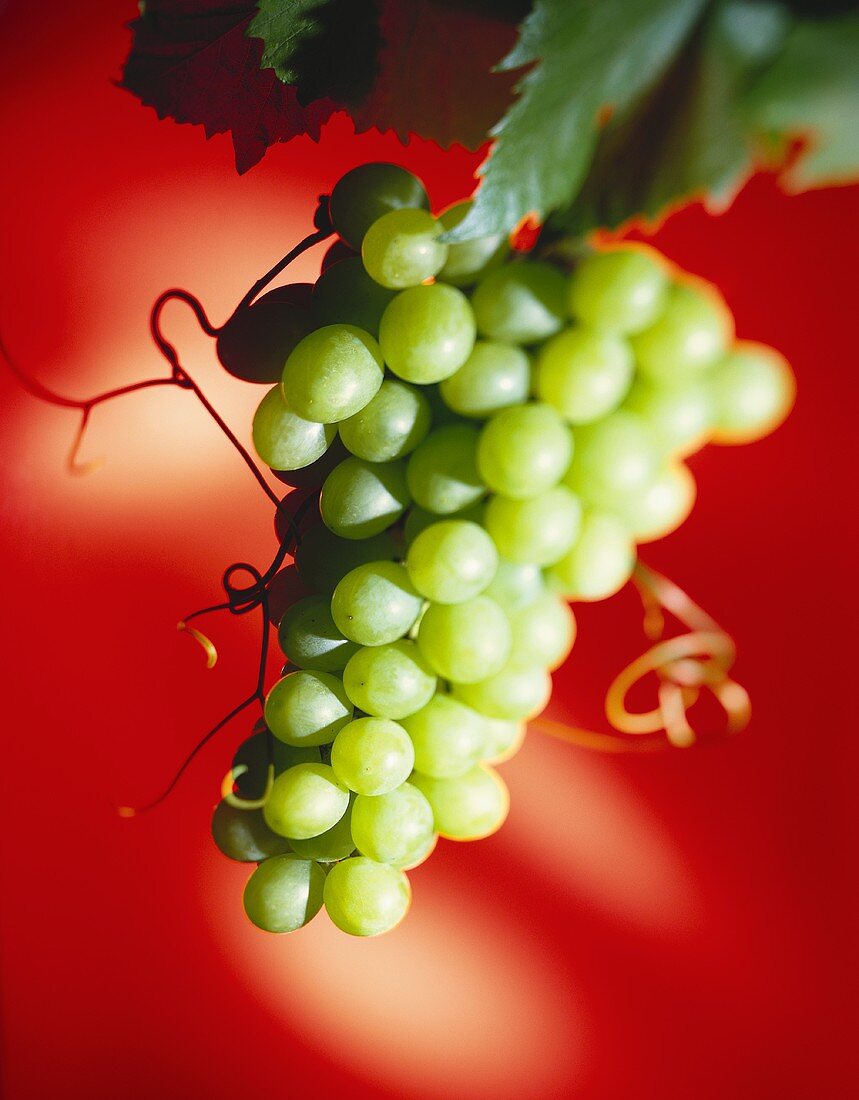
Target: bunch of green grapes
[495,434]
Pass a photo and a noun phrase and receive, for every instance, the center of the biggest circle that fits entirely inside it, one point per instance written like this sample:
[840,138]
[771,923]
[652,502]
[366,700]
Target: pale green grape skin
[335,843]
[307,708]
[285,441]
[614,457]
[451,561]
[442,472]
[584,374]
[389,426]
[372,756]
[310,639]
[333,373]
[517,692]
[360,499]
[542,633]
[389,681]
[538,531]
[418,519]
[392,827]
[401,249]
[305,800]
[420,855]
[324,558]
[470,807]
[375,603]
[516,584]
[284,893]
[365,193]
[365,898]
[753,390]
[448,737]
[495,376]
[427,333]
[503,738]
[524,451]
[600,563]
[620,290]
[468,260]
[680,417]
[252,755]
[521,303]
[345,294]
[465,642]
[692,332]
[243,834]
[662,506]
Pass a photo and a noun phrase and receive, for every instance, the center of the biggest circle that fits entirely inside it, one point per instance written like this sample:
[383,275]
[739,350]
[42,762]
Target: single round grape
[418,519]
[470,807]
[333,373]
[442,472]
[614,458]
[402,249]
[503,738]
[600,563]
[283,590]
[335,843]
[323,558]
[365,898]
[345,294]
[542,633]
[517,692]
[448,737]
[465,642]
[375,603]
[427,333]
[253,755]
[392,827]
[540,530]
[389,426]
[389,681]
[305,800]
[584,374]
[753,390]
[311,477]
[495,376]
[468,260]
[679,417]
[307,708]
[524,451]
[360,499]
[521,303]
[451,561]
[335,253]
[243,834]
[620,290]
[691,333]
[285,441]
[255,343]
[420,855]
[372,756]
[367,192]
[661,506]
[310,639]
[516,584]
[284,893]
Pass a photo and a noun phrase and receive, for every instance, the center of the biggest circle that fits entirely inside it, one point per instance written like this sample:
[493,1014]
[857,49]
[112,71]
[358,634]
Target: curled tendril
[207,643]
[236,801]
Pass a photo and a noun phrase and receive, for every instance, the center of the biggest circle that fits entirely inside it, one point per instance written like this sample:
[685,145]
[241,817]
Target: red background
[665,926]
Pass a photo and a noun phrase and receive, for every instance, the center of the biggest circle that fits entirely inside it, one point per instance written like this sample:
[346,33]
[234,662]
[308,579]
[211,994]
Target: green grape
[451,561]
[516,584]
[679,417]
[389,681]
[335,843]
[372,756]
[495,376]
[600,563]
[323,558]
[305,800]
[614,458]
[752,390]
[402,249]
[465,642]
[418,519]
[283,440]
[253,755]
[468,260]
[542,633]
[442,472]
[689,336]
[243,834]
[517,692]
[469,807]
[254,343]
[524,451]
[360,499]
[365,898]
[284,893]
[345,294]
[503,738]
[420,855]
[389,426]
[309,637]
[620,290]
[440,411]
[392,827]
[584,374]
[540,530]
[661,506]
[367,192]
[521,302]
[333,373]
[375,603]
[427,333]
[448,737]
[307,708]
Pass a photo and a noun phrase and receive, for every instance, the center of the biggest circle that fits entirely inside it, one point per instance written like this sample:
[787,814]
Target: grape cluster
[493,434]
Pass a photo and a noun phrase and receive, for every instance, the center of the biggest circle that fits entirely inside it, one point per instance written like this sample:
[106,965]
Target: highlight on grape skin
[514,427]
